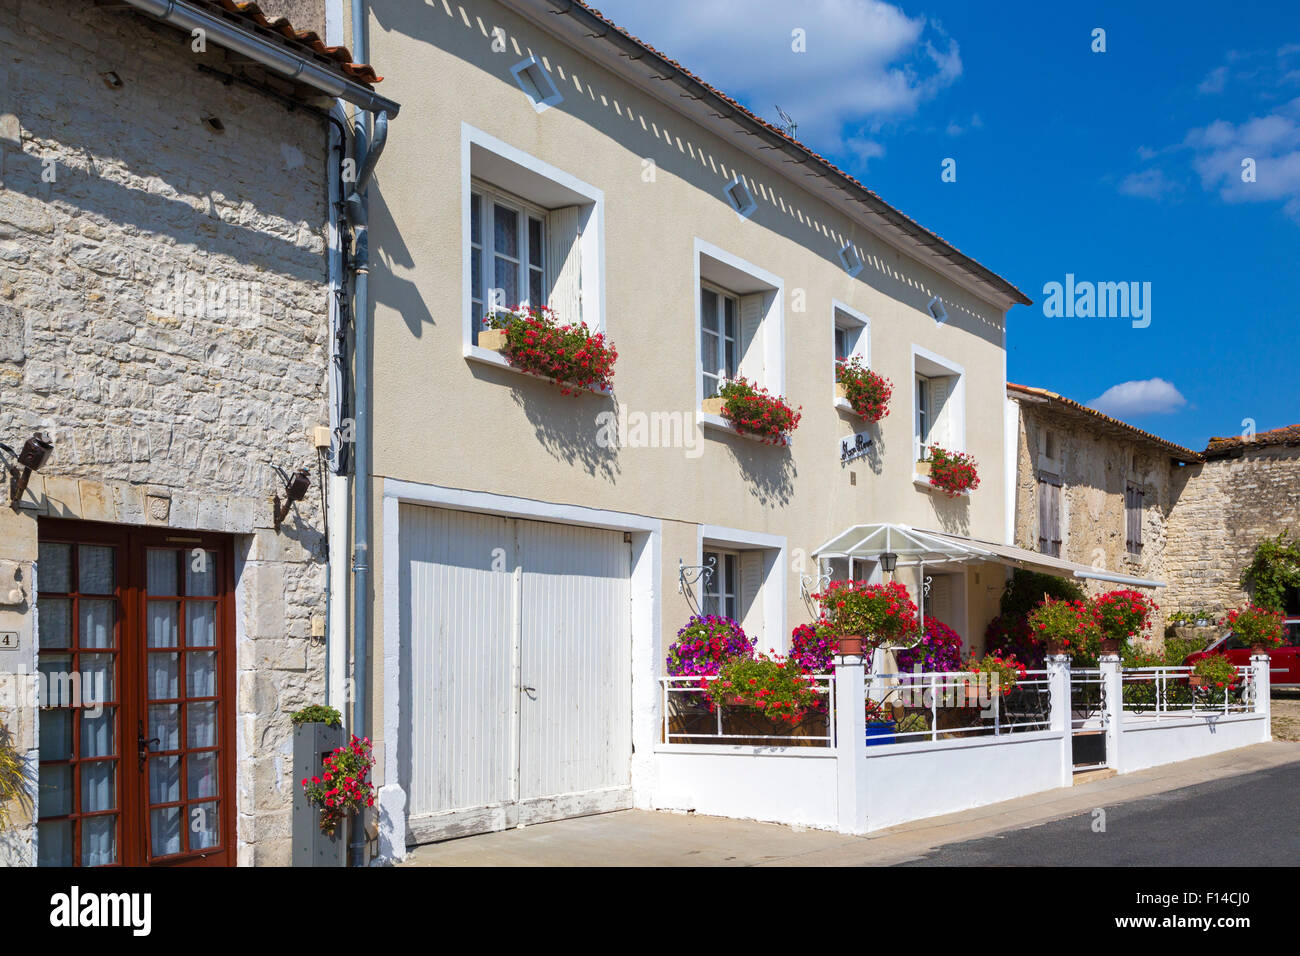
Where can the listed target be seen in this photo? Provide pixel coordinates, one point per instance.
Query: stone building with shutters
(165, 322)
(1092, 489)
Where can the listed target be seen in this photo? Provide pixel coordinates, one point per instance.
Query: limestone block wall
(163, 319)
(1225, 506)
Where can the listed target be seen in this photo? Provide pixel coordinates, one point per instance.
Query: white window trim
(718, 537)
(539, 77)
(773, 344)
(719, 580)
(743, 210)
(957, 411)
(592, 245)
(861, 348)
(722, 294)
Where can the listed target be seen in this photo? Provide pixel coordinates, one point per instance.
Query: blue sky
(1115, 166)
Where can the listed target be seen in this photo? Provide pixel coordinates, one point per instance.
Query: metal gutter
(271, 55)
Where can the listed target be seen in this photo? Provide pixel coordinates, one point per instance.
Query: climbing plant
(1273, 570)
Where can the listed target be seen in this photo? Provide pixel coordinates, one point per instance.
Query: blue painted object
(880, 733)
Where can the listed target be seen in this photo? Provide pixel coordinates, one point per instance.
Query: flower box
(494, 340)
(923, 468)
(534, 341)
(713, 406)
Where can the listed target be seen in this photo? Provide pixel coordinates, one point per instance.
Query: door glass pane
(55, 790)
(97, 618)
(54, 572)
(161, 571)
(95, 569)
(506, 230)
(163, 621)
(201, 620)
(165, 830)
(54, 619)
(201, 674)
(201, 573)
(98, 785)
(55, 687)
(164, 779)
(54, 842)
(201, 726)
(98, 734)
(99, 841)
(97, 679)
(56, 734)
(164, 676)
(203, 826)
(165, 724)
(202, 774)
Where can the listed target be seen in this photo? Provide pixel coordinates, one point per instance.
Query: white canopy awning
(916, 546)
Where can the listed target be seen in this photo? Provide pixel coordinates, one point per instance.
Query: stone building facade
(163, 310)
(1200, 514)
(1244, 490)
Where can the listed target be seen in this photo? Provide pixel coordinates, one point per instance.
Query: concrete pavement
(648, 838)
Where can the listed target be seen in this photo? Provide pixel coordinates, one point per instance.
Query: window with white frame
(720, 588)
(850, 331)
(740, 323)
(719, 313)
(533, 237)
(507, 252)
(938, 397)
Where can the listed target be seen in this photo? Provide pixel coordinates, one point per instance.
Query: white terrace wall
(162, 316)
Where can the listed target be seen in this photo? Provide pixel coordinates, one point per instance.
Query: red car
(1284, 660)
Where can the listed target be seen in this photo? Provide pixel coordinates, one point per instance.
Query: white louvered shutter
(752, 310)
(750, 603)
(941, 432)
(564, 262)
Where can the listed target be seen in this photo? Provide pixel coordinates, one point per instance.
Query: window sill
(923, 482)
(476, 353)
(843, 405)
(718, 423)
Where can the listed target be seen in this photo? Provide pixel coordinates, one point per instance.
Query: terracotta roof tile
(1286, 435)
(337, 58)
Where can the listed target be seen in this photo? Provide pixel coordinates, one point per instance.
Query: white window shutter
(752, 310)
(939, 606)
(564, 262)
(941, 432)
(749, 603)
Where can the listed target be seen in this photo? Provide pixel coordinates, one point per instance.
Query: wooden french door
(137, 688)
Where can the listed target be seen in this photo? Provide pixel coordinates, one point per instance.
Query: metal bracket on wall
(702, 572)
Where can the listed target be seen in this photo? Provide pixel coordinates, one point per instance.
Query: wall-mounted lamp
(35, 453)
(296, 487)
(888, 561)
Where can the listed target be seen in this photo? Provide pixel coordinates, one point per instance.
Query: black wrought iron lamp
(296, 487)
(36, 452)
(888, 561)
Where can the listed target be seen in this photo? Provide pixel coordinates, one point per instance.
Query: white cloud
(1148, 184)
(1214, 81)
(1153, 396)
(866, 61)
(1272, 141)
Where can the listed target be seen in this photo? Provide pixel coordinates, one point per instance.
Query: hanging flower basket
(754, 411)
(866, 391)
(533, 340)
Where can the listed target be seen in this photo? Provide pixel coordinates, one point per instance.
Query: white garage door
(516, 686)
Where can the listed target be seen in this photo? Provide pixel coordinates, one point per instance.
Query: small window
(939, 404)
(537, 84)
(720, 588)
(937, 310)
(1049, 514)
(1049, 445)
(507, 252)
(719, 315)
(924, 420)
(850, 259)
(1133, 501)
(844, 339)
(740, 198)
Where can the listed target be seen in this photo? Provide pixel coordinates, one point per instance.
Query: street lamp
(888, 561)
(35, 453)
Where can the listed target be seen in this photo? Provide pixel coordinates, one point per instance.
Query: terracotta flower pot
(1109, 646)
(851, 645)
(1196, 680)
(1259, 649)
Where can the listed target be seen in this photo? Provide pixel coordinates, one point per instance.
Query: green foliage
(1274, 568)
(15, 785)
(1216, 669)
(1026, 589)
(343, 786)
(317, 714)
(777, 689)
(877, 613)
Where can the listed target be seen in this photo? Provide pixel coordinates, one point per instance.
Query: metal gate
(516, 664)
(1088, 718)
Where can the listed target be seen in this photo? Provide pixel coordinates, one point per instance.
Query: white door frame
(646, 624)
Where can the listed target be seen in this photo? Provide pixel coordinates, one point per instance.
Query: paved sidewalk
(649, 838)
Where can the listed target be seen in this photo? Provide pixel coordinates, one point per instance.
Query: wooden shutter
(564, 262)
(750, 346)
(1049, 514)
(1133, 505)
(748, 592)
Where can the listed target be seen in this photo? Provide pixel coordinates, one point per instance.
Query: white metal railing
(691, 717)
(964, 701)
(1158, 692)
(1087, 699)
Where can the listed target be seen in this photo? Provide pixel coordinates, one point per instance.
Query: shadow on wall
(953, 514)
(658, 135)
(768, 470)
(388, 253)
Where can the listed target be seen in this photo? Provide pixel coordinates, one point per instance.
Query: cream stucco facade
(450, 419)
